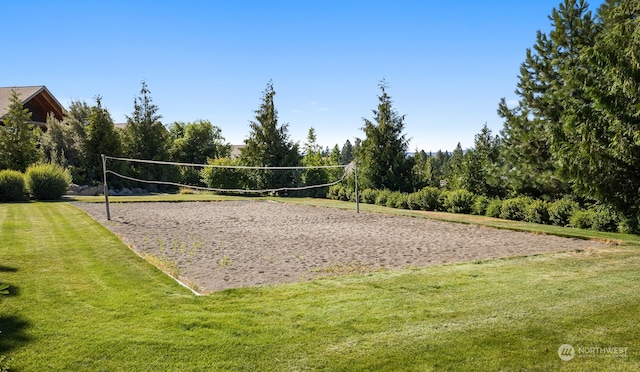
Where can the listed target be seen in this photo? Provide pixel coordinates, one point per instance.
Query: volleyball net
(225, 176)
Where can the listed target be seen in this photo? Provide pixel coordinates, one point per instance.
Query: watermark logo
(566, 352)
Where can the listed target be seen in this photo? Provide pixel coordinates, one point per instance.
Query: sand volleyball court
(232, 244)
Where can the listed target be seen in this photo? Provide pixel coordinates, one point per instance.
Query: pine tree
(63, 142)
(268, 145)
(145, 137)
(101, 138)
(481, 169)
(454, 171)
(437, 168)
(420, 170)
(18, 138)
(598, 146)
(530, 127)
(346, 154)
(383, 153)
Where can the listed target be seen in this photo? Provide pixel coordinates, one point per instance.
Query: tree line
(574, 132)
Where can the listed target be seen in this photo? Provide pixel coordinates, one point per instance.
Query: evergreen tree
(311, 146)
(101, 138)
(18, 138)
(346, 155)
(63, 142)
(437, 168)
(528, 127)
(481, 170)
(313, 157)
(420, 170)
(145, 137)
(268, 145)
(454, 171)
(598, 146)
(383, 155)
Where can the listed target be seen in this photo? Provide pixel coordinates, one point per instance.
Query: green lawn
(82, 300)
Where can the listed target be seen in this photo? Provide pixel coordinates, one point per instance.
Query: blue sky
(446, 63)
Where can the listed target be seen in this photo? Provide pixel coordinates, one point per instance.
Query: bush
(599, 218)
(398, 200)
(494, 208)
(560, 211)
(47, 181)
(12, 186)
(515, 208)
(458, 201)
(383, 195)
(605, 219)
(340, 192)
(427, 198)
(480, 205)
(628, 225)
(537, 212)
(582, 219)
(368, 196)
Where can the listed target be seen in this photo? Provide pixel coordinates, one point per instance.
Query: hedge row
(562, 212)
(40, 181)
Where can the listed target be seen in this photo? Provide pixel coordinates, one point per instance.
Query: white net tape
(348, 168)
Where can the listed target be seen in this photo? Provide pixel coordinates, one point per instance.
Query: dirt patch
(220, 245)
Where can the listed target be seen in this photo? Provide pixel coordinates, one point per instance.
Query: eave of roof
(26, 94)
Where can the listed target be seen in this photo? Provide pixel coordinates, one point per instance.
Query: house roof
(37, 99)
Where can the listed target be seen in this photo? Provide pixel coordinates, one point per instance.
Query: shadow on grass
(7, 269)
(12, 332)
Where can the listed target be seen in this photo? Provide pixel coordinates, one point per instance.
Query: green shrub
(413, 201)
(47, 181)
(350, 194)
(340, 192)
(459, 201)
(599, 218)
(515, 208)
(560, 211)
(480, 205)
(494, 208)
(537, 212)
(333, 192)
(629, 225)
(12, 186)
(582, 219)
(605, 219)
(368, 196)
(427, 198)
(383, 195)
(398, 200)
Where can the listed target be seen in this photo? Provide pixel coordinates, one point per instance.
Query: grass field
(81, 300)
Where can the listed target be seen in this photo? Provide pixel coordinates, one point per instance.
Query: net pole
(355, 172)
(106, 188)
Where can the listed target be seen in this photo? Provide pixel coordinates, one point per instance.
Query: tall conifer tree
(383, 153)
(268, 144)
(18, 138)
(530, 126)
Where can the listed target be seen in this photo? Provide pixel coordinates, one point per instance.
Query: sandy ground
(220, 245)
